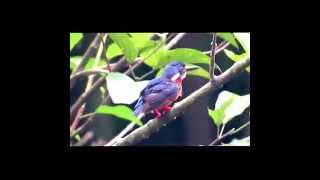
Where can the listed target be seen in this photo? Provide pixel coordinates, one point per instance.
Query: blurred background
(194, 127)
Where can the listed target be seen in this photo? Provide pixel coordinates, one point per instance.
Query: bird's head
(175, 71)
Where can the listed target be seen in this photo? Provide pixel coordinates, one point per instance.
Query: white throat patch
(184, 75)
(175, 77)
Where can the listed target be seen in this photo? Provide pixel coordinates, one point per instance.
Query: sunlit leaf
(239, 104)
(74, 39)
(141, 41)
(120, 111)
(125, 44)
(160, 72)
(229, 105)
(244, 40)
(77, 137)
(229, 37)
(154, 56)
(123, 89)
(113, 51)
(218, 114)
(199, 71)
(186, 55)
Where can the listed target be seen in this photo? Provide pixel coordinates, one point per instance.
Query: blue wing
(147, 90)
(157, 93)
(160, 95)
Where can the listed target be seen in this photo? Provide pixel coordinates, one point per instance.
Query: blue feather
(138, 107)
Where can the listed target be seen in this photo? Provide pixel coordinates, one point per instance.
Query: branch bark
(154, 125)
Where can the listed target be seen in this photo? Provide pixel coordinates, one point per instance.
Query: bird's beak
(191, 68)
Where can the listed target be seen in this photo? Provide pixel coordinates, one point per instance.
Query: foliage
(120, 111)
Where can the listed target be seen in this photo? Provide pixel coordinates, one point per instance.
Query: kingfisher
(162, 92)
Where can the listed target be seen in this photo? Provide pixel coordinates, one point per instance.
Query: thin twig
(219, 48)
(213, 55)
(89, 86)
(154, 125)
(87, 115)
(145, 75)
(229, 133)
(170, 36)
(90, 51)
(76, 119)
(105, 51)
(175, 40)
(222, 129)
(87, 73)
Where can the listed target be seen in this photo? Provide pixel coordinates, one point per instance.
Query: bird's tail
(138, 109)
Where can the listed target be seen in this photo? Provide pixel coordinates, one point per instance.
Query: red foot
(166, 108)
(158, 114)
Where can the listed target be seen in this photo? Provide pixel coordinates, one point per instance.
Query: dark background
(194, 126)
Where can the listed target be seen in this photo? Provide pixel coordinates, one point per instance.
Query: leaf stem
(213, 54)
(229, 133)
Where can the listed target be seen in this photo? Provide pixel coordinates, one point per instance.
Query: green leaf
(75, 60)
(123, 89)
(186, 55)
(125, 44)
(230, 37)
(235, 57)
(119, 111)
(154, 54)
(230, 110)
(113, 51)
(228, 106)
(200, 72)
(74, 39)
(244, 40)
(239, 104)
(218, 114)
(239, 142)
(141, 41)
(77, 137)
(159, 73)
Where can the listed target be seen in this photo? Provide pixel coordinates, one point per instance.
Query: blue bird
(161, 92)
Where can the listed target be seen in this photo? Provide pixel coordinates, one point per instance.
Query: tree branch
(154, 125)
(175, 40)
(229, 133)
